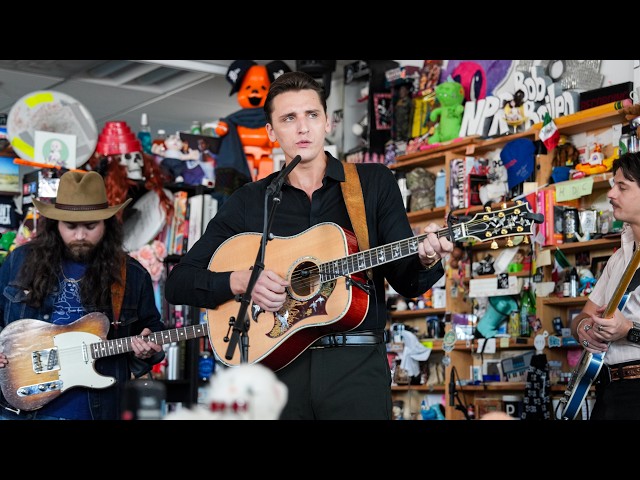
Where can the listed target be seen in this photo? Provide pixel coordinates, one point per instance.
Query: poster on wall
(57, 149)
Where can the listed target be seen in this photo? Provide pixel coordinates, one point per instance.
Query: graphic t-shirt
(73, 403)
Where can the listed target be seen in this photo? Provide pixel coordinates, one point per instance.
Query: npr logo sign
(541, 95)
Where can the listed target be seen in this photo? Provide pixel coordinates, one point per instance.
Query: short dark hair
(292, 81)
(630, 165)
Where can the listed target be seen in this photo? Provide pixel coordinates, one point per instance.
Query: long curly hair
(43, 264)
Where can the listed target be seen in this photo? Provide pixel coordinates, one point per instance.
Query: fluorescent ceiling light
(192, 65)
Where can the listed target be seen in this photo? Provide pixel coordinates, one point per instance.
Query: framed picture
(383, 111)
(597, 266)
(9, 176)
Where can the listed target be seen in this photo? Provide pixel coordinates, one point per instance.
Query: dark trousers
(617, 400)
(338, 383)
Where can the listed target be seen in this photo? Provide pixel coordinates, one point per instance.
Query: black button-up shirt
(192, 283)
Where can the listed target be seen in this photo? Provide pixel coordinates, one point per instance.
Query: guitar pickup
(48, 357)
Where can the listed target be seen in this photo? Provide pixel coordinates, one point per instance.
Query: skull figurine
(134, 163)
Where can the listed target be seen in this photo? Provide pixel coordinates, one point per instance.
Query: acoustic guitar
(322, 264)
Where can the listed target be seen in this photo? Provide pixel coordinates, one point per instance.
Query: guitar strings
(304, 278)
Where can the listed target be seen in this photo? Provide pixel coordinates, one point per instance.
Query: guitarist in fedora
(341, 375)
(74, 266)
(618, 338)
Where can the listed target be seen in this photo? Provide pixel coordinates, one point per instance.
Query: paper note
(574, 189)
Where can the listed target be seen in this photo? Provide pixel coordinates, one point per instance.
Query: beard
(81, 251)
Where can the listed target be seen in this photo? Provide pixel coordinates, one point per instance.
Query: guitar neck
(123, 345)
(373, 257)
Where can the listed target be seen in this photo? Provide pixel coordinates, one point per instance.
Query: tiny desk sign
(574, 189)
(56, 149)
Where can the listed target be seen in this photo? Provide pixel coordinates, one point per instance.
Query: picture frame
(9, 176)
(383, 110)
(597, 266)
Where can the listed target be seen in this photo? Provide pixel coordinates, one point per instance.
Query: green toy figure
(450, 96)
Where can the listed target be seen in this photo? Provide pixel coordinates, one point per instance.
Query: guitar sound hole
(305, 280)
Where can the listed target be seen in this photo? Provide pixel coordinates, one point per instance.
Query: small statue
(450, 96)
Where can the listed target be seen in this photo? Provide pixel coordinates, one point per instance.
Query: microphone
(452, 388)
(276, 184)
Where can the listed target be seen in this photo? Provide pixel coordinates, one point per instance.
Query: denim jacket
(138, 311)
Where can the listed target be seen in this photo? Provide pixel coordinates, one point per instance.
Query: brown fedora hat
(82, 197)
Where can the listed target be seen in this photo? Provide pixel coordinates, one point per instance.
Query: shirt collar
(335, 169)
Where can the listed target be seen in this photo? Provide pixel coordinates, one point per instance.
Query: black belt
(346, 339)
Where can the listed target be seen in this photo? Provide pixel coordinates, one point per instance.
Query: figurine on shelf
(182, 166)
(245, 146)
(450, 96)
(514, 111)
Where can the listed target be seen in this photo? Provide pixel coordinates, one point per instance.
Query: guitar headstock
(493, 224)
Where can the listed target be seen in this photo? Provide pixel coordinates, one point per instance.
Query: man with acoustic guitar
(317, 319)
(609, 325)
(70, 287)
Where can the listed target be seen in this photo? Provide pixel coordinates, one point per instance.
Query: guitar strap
(117, 292)
(353, 198)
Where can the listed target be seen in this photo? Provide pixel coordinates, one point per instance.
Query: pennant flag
(549, 133)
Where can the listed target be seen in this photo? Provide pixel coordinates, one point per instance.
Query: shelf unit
(440, 157)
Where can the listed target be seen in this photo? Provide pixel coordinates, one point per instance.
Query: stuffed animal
(245, 392)
(182, 166)
(245, 146)
(450, 96)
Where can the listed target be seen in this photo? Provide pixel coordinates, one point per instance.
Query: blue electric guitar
(590, 364)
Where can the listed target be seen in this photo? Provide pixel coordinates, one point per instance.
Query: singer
(345, 374)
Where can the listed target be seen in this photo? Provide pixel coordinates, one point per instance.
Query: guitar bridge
(39, 388)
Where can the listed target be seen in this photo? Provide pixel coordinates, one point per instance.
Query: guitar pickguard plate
(295, 310)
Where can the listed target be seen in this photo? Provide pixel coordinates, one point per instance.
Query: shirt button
(46, 317)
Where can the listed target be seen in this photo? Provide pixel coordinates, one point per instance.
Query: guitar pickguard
(295, 310)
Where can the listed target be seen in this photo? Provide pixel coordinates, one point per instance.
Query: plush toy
(182, 166)
(450, 96)
(245, 147)
(245, 392)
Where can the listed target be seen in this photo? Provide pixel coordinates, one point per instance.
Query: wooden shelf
(489, 144)
(584, 121)
(433, 155)
(417, 388)
(564, 301)
(404, 314)
(599, 244)
(427, 214)
(506, 386)
(524, 273)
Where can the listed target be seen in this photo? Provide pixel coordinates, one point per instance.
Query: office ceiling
(173, 93)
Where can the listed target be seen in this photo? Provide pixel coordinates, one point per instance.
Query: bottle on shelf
(144, 135)
(527, 309)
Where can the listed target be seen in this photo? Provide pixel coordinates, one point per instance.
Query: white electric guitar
(46, 360)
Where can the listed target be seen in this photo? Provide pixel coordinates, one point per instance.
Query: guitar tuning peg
(510, 243)
(487, 209)
(504, 206)
(525, 239)
(519, 202)
(494, 245)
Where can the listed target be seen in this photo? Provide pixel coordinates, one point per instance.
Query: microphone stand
(242, 322)
(454, 395)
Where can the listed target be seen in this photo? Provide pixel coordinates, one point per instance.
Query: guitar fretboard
(123, 345)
